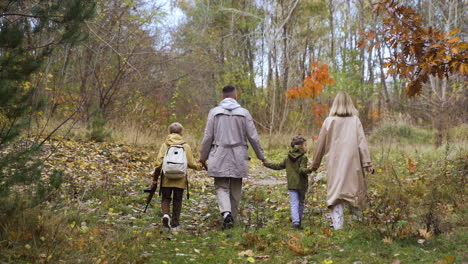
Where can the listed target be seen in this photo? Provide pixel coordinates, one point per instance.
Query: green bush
(98, 131)
(419, 191)
(403, 133)
(24, 184)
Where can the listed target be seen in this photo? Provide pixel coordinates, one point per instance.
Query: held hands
(203, 165)
(264, 162)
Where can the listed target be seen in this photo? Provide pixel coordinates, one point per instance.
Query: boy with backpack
(173, 159)
(296, 171)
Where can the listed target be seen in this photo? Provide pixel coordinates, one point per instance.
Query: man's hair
(228, 90)
(175, 128)
(297, 140)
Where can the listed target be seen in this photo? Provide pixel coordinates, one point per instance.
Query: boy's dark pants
(177, 194)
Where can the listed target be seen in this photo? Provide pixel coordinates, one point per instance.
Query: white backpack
(175, 162)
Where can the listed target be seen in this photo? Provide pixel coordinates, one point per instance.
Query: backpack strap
(186, 176)
(188, 190)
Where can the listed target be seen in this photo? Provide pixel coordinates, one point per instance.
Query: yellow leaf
(251, 259)
(424, 234)
(73, 224)
(454, 39)
(27, 246)
(26, 86)
(14, 235)
(446, 260)
(387, 240)
(246, 253)
(455, 31)
(50, 75)
(462, 45)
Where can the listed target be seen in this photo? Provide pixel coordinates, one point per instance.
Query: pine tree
(29, 31)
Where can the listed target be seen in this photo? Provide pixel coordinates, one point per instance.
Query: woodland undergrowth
(417, 200)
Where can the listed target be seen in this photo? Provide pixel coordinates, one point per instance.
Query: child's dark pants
(176, 194)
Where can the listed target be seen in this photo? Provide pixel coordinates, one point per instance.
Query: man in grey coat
(228, 128)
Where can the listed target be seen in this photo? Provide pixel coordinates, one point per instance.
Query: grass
(403, 133)
(346, 246)
(110, 229)
(96, 216)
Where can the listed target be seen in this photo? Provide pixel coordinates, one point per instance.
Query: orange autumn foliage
(313, 83)
(319, 112)
(417, 51)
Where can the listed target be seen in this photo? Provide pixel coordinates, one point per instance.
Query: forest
(88, 89)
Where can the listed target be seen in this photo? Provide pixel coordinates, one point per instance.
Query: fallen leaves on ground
(387, 240)
(425, 234)
(446, 260)
(246, 253)
(294, 244)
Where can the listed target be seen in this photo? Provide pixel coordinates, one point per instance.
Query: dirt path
(260, 176)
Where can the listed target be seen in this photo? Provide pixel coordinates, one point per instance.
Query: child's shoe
(166, 221)
(228, 221)
(297, 226)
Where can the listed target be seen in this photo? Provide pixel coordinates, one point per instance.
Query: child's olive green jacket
(296, 168)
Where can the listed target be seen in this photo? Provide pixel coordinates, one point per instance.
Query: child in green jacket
(296, 171)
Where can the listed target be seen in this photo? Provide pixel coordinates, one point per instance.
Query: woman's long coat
(343, 142)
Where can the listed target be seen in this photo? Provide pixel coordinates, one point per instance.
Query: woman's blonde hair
(343, 106)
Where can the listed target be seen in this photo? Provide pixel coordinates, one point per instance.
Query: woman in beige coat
(343, 142)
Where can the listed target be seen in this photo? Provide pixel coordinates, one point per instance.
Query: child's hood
(174, 139)
(296, 153)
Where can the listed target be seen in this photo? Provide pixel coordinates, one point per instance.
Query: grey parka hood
(229, 104)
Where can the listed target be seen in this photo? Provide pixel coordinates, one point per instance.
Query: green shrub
(403, 133)
(24, 184)
(459, 133)
(98, 131)
(421, 192)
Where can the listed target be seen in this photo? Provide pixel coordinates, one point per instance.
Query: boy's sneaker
(297, 226)
(166, 221)
(228, 222)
